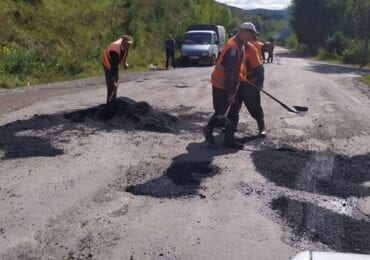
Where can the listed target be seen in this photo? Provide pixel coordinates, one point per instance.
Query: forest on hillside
(52, 40)
(332, 29)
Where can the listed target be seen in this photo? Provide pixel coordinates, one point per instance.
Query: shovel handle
(281, 103)
(115, 87)
(234, 94)
(290, 109)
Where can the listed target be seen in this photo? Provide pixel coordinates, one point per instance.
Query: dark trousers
(111, 89)
(220, 106)
(170, 54)
(251, 98)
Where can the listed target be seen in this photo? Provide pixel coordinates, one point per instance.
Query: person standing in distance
(170, 46)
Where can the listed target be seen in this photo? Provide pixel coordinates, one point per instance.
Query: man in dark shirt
(170, 45)
(113, 55)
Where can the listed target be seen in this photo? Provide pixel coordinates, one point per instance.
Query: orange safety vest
(116, 47)
(258, 46)
(218, 76)
(252, 60)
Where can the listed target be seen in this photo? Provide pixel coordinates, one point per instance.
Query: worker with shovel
(249, 92)
(226, 77)
(113, 55)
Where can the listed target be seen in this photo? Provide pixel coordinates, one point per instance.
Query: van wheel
(213, 60)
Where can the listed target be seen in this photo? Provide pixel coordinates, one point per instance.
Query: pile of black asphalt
(125, 112)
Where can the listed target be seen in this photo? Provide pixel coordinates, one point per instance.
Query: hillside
(271, 24)
(51, 40)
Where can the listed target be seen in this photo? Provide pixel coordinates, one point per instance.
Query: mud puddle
(340, 232)
(124, 112)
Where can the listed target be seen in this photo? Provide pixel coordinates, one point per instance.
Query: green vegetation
(271, 24)
(332, 29)
(366, 79)
(52, 40)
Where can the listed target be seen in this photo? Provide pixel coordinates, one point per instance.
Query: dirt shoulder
(15, 99)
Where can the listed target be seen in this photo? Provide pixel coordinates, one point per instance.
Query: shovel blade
(299, 110)
(221, 121)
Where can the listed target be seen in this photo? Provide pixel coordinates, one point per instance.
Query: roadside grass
(366, 79)
(48, 41)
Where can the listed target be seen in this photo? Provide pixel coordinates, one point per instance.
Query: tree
(311, 21)
(358, 24)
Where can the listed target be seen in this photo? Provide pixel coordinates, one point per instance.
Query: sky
(253, 4)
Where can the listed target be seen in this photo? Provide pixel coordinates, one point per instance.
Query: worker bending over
(113, 55)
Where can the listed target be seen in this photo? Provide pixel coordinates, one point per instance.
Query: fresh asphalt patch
(340, 232)
(31, 137)
(319, 172)
(126, 112)
(315, 194)
(43, 135)
(181, 178)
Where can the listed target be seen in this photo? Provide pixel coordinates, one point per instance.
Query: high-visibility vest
(218, 76)
(116, 47)
(258, 46)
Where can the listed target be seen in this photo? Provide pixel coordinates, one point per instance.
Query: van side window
(215, 39)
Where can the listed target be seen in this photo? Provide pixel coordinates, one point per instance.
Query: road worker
(249, 91)
(258, 45)
(113, 55)
(228, 72)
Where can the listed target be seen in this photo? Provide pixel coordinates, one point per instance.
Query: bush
(336, 43)
(292, 41)
(71, 64)
(302, 48)
(17, 59)
(324, 54)
(353, 53)
(7, 81)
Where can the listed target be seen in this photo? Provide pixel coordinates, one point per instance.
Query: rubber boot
(208, 134)
(229, 140)
(261, 128)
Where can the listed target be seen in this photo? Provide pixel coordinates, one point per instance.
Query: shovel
(291, 109)
(115, 87)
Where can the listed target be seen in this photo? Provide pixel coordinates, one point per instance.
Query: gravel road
(143, 184)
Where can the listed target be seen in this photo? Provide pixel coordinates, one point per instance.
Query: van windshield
(198, 38)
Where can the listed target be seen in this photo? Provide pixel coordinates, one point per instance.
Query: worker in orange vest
(228, 72)
(113, 55)
(258, 45)
(249, 91)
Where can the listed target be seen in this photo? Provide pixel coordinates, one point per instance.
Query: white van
(203, 44)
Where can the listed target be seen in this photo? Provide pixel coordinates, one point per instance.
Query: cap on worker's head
(248, 26)
(128, 39)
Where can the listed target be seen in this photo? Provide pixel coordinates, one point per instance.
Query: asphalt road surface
(145, 185)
